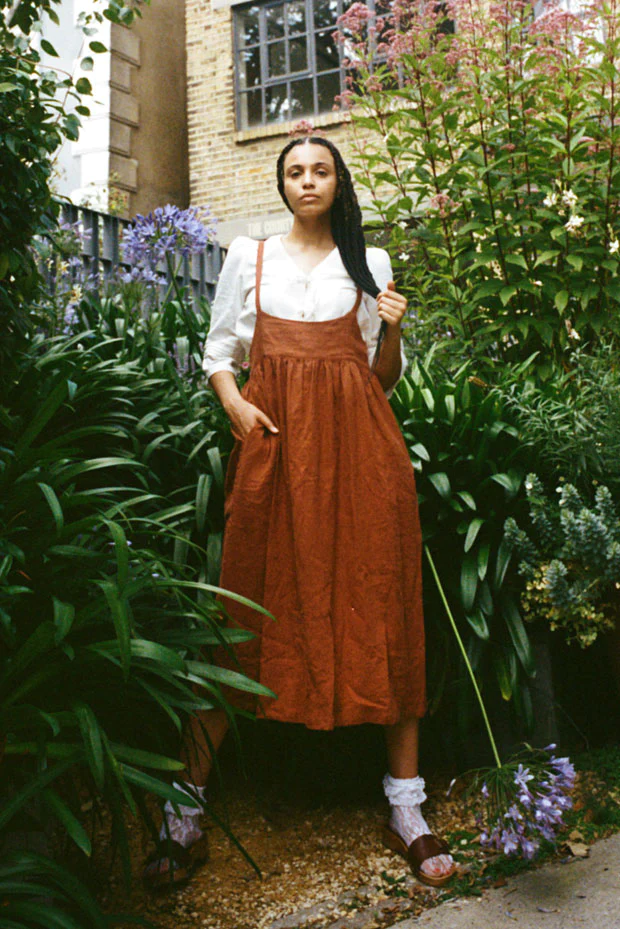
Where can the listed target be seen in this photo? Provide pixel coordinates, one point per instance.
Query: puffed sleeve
(381, 269)
(223, 348)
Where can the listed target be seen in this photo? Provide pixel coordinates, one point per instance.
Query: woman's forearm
(389, 363)
(225, 386)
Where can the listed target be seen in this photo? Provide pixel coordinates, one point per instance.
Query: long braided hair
(346, 221)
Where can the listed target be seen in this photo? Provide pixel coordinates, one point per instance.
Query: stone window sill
(275, 129)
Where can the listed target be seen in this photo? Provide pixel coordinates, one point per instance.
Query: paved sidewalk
(583, 892)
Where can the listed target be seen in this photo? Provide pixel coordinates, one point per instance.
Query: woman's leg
(405, 790)
(195, 753)
(196, 756)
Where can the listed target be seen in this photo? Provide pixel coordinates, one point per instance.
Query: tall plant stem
(465, 658)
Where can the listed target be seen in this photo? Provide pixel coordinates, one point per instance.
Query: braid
(346, 222)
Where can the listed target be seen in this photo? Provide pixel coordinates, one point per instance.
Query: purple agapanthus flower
(167, 229)
(538, 797)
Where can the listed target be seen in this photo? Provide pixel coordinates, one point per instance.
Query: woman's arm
(242, 414)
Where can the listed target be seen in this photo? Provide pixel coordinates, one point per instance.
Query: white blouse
(327, 292)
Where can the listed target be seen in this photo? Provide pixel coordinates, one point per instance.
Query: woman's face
(310, 180)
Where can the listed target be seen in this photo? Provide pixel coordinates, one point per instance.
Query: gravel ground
(323, 867)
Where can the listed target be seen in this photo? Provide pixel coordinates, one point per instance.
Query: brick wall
(234, 171)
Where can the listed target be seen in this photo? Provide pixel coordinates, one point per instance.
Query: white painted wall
(83, 167)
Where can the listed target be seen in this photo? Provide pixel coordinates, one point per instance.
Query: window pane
(277, 59)
(250, 109)
(247, 25)
(299, 54)
(326, 52)
(296, 13)
(249, 67)
(275, 21)
(328, 86)
(302, 98)
(277, 103)
(325, 13)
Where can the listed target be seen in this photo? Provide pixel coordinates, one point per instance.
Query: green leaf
(519, 636)
(441, 483)
(97, 47)
(121, 550)
(203, 490)
(504, 554)
(87, 64)
(483, 559)
(92, 738)
(547, 256)
(120, 618)
(5, 87)
(576, 261)
(62, 812)
(64, 614)
(54, 504)
(472, 532)
(83, 86)
(469, 581)
(477, 621)
(561, 299)
(420, 450)
(467, 499)
(502, 674)
(48, 48)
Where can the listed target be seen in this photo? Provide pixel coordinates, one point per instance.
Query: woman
(322, 524)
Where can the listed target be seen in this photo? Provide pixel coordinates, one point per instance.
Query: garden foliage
(491, 156)
(469, 470)
(39, 109)
(111, 500)
(570, 560)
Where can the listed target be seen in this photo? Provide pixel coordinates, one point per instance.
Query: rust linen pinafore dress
(322, 529)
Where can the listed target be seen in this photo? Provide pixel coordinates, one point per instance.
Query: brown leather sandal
(180, 863)
(424, 847)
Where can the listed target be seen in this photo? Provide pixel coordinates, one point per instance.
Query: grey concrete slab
(583, 892)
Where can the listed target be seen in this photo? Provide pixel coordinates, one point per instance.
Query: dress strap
(259, 273)
(356, 305)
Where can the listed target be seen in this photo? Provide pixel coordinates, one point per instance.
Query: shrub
(469, 470)
(571, 570)
(490, 155)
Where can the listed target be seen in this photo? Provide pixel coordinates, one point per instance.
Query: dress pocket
(255, 473)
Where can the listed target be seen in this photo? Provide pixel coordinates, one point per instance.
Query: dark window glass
(328, 86)
(249, 67)
(298, 52)
(325, 13)
(326, 51)
(296, 15)
(276, 56)
(275, 21)
(302, 98)
(250, 108)
(248, 26)
(277, 103)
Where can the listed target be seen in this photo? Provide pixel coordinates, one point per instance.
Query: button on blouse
(326, 292)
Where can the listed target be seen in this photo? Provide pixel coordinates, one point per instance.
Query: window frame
(287, 77)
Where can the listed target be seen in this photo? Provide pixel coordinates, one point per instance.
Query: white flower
(479, 247)
(569, 198)
(403, 256)
(551, 199)
(614, 247)
(496, 269)
(574, 223)
(402, 224)
(537, 283)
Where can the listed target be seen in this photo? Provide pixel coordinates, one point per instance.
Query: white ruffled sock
(405, 794)
(184, 829)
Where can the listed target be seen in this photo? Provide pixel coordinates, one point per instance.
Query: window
(287, 64)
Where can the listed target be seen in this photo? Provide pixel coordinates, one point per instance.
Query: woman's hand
(391, 306)
(244, 416)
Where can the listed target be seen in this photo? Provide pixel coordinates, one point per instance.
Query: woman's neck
(315, 233)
